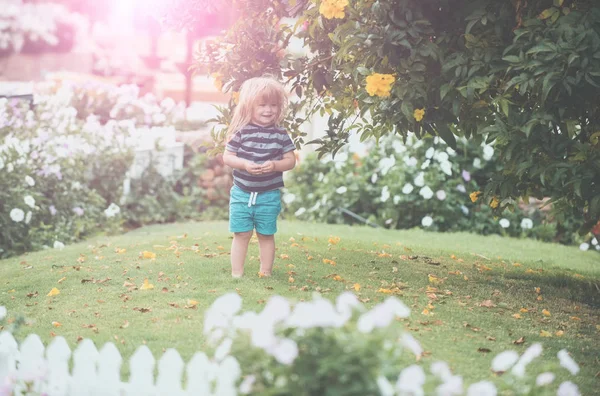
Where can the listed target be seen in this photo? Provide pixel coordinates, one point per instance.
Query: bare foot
(237, 275)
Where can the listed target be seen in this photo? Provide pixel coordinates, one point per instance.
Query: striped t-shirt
(259, 144)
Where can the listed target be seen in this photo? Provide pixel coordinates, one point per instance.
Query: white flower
(531, 353)
(3, 312)
(464, 209)
(29, 201)
(411, 381)
(221, 312)
(426, 221)
(385, 387)
(594, 241)
(223, 349)
(442, 157)
(346, 302)
(450, 151)
(483, 388)
(385, 194)
(567, 361)
(584, 246)
(426, 192)
(58, 245)
(28, 217)
(544, 379)
(504, 360)
(429, 153)
(112, 210)
(29, 180)
(488, 152)
(374, 178)
(477, 163)
(300, 212)
(1, 163)
(386, 164)
(420, 180)
(461, 188)
(441, 370)
(288, 198)
(286, 351)
(446, 167)
(504, 223)
(426, 164)
(246, 385)
(526, 223)
(398, 146)
(410, 162)
(397, 199)
(408, 188)
(341, 190)
(17, 215)
(276, 310)
(452, 387)
(410, 343)
(568, 388)
(440, 194)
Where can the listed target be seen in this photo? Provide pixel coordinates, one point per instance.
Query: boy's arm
(288, 162)
(232, 160)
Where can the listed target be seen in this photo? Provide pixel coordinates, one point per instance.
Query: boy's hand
(268, 167)
(253, 169)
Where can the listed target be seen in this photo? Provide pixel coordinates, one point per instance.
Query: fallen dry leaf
(53, 292)
(56, 324)
(519, 341)
(434, 280)
(334, 240)
(142, 310)
(291, 280)
(523, 310)
(327, 261)
(124, 325)
(61, 280)
(544, 333)
(484, 350)
(546, 312)
(284, 256)
(147, 255)
(559, 333)
(147, 285)
(356, 287)
(516, 316)
(487, 304)
(394, 269)
(192, 302)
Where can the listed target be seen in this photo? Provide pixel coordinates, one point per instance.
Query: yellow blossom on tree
(333, 8)
(380, 84)
(475, 195)
(218, 80)
(494, 204)
(419, 114)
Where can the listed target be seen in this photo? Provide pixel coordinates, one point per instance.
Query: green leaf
(512, 59)
(363, 70)
(444, 89)
(558, 3)
(547, 85)
(547, 13)
(446, 135)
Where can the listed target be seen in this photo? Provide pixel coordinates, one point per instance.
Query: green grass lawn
(100, 296)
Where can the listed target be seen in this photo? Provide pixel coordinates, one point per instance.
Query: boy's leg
(239, 248)
(266, 246)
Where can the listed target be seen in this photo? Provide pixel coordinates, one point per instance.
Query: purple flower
(466, 175)
(52, 210)
(78, 211)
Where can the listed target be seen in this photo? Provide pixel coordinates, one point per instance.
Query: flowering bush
(318, 348)
(418, 184)
(65, 166)
(36, 27)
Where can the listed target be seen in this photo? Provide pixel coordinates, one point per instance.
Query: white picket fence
(98, 373)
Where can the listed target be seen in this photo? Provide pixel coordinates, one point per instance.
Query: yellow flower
(333, 8)
(419, 114)
(218, 80)
(380, 84)
(475, 196)
(494, 204)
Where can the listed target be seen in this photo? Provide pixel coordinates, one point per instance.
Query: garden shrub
(423, 183)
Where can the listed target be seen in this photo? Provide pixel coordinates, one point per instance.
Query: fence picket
(31, 363)
(9, 352)
(141, 366)
(85, 376)
(109, 371)
(170, 370)
(58, 355)
(200, 373)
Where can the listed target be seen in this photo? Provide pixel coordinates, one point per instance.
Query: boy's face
(265, 112)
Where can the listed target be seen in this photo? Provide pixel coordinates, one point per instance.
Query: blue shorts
(254, 210)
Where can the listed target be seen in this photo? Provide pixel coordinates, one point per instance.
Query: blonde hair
(252, 91)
